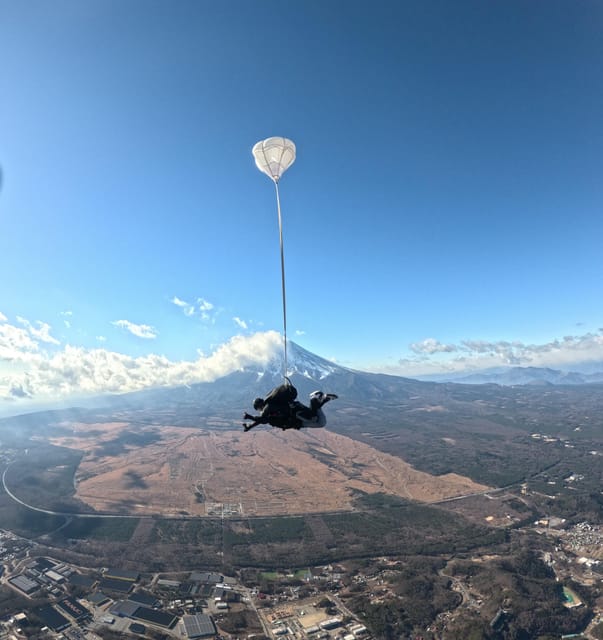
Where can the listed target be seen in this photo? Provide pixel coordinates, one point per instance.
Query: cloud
(138, 330)
(432, 356)
(188, 309)
(66, 314)
(240, 323)
(33, 368)
(299, 332)
(16, 343)
(3, 318)
(430, 346)
(202, 308)
(101, 338)
(40, 332)
(73, 371)
(204, 305)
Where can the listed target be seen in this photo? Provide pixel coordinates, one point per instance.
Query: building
(43, 564)
(206, 577)
(98, 599)
(55, 576)
(124, 608)
(331, 623)
(170, 584)
(116, 584)
(74, 609)
(133, 610)
(24, 584)
(199, 626)
(120, 574)
(53, 619)
(156, 617)
(81, 580)
(143, 598)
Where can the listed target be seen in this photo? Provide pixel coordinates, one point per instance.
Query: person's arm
(256, 419)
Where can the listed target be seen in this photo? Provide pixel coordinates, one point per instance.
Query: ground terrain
(178, 471)
(357, 492)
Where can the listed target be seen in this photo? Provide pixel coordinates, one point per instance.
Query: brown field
(263, 472)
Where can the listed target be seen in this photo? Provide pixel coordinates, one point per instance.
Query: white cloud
(34, 367)
(434, 357)
(74, 371)
(431, 346)
(240, 323)
(66, 314)
(202, 308)
(101, 338)
(188, 308)
(299, 332)
(138, 330)
(3, 318)
(40, 332)
(204, 305)
(16, 344)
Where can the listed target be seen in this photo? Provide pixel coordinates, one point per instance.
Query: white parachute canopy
(274, 156)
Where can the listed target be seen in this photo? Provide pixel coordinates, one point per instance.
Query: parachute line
(280, 232)
(273, 157)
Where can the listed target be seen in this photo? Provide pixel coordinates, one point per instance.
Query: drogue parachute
(274, 156)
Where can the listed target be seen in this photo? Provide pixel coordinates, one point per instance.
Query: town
(57, 599)
(84, 604)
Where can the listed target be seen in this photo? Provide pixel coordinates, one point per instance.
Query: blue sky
(443, 213)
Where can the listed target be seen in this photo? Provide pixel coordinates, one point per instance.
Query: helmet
(258, 404)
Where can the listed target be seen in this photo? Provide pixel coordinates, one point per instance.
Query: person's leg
(301, 411)
(319, 398)
(319, 420)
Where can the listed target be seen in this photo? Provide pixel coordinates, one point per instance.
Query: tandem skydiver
(281, 409)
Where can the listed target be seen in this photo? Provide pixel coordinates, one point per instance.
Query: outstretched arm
(255, 421)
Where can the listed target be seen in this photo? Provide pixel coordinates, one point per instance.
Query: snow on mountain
(308, 364)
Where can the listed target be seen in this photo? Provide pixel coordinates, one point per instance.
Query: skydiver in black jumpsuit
(281, 409)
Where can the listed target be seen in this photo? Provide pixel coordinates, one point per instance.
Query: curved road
(64, 514)
(72, 514)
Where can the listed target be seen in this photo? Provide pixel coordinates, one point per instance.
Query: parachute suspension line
(280, 232)
(273, 156)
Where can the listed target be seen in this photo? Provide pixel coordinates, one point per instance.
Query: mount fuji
(439, 427)
(233, 393)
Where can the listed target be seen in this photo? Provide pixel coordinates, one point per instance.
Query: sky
(443, 212)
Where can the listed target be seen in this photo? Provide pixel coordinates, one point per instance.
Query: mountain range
(510, 376)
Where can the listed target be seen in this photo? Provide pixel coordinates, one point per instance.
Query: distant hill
(510, 376)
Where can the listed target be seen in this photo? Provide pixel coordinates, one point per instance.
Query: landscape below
(451, 480)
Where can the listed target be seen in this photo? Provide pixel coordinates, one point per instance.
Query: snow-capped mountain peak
(300, 362)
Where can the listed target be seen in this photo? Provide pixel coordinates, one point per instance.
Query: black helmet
(258, 404)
